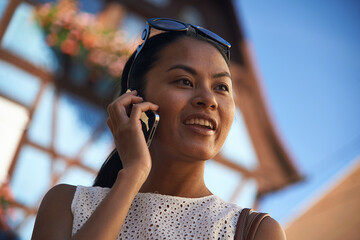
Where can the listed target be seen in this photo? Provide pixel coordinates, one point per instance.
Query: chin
(195, 150)
(200, 153)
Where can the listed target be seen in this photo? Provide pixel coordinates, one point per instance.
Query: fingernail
(129, 90)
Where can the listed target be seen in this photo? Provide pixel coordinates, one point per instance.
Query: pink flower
(88, 39)
(70, 47)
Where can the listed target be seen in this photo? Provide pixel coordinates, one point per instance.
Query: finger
(140, 108)
(120, 108)
(124, 96)
(126, 99)
(108, 121)
(115, 115)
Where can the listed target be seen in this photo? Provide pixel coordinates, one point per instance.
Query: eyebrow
(222, 74)
(183, 67)
(193, 71)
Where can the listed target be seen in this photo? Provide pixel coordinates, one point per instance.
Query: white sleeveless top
(156, 216)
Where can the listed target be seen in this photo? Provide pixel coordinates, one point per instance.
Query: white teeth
(200, 121)
(207, 123)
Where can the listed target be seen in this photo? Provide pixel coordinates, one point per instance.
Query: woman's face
(192, 85)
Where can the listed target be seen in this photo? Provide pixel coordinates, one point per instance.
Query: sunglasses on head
(167, 24)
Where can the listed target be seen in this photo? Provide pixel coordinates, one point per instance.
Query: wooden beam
(271, 132)
(26, 209)
(236, 167)
(54, 127)
(11, 58)
(7, 15)
(24, 134)
(69, 161)
(13, 101)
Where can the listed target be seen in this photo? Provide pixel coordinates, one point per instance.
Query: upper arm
(54, 218)
(270, 229)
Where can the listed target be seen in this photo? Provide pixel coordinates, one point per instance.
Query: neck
(177, 178)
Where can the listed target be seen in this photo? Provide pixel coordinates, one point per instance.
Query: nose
(204, 98)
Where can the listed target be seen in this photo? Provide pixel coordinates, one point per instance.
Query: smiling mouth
(201, 122)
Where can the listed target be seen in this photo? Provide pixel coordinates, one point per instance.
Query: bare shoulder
(54, 218)
(270, 229)
(63, 191)
(58, 197)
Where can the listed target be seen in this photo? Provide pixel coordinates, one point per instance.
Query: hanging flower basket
(84, 38)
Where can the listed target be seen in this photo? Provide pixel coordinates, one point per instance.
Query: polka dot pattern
(156, 216)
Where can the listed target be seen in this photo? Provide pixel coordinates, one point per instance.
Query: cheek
(170, 105)
(228, 113)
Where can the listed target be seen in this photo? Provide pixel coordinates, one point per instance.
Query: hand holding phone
(149, 122)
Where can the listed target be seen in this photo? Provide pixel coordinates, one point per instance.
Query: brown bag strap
(254, 225)
(248, 224)
(241, 224)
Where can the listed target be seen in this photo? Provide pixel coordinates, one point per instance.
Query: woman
(183, 74)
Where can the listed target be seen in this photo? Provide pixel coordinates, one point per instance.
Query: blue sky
(307, 53)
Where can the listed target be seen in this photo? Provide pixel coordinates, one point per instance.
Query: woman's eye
(185, 82)
(222, 87)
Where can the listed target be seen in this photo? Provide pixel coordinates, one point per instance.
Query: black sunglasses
(167, 24)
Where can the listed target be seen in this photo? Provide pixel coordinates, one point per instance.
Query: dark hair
(144, 62)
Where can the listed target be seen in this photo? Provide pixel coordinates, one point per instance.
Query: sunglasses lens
(214, 36)
(168, 24)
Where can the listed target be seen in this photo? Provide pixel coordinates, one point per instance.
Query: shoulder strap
(253, 226)
(241, 224)
(248, 224)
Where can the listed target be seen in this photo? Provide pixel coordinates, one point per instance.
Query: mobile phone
(149, 122)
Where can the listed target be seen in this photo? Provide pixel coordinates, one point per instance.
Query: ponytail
(109, 170)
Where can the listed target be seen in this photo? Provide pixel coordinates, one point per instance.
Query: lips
(201, 120)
